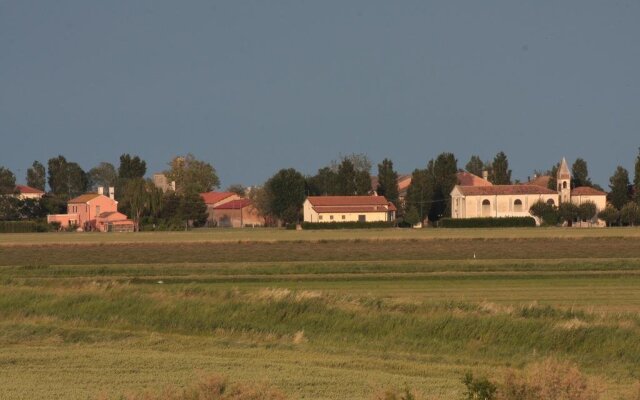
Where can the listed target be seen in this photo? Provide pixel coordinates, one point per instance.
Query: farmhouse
(215, 199)
(477, 199)
(236, 214)
(348, 209)
(24, 192)
(93, 212)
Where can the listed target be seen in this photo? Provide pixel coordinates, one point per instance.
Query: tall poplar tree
(500, 172)
(619, 184)
(475, 166)
(636, 180)
(387, 181)
(36, 176)
(580, 174)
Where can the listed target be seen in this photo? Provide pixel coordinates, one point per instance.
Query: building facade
(348, 209)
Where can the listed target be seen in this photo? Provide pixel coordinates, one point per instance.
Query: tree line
(280, 198)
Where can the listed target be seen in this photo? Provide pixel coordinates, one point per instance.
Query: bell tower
(564, 182)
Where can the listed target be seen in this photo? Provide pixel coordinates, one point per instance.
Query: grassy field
(322, 315)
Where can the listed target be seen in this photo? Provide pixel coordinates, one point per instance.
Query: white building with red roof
(27, 192)
(476, 199)
(348, 209)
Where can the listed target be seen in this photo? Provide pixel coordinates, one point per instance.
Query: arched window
(486, 208)
(551, 202)
(564, 184)
(517, 205)
(559, 187)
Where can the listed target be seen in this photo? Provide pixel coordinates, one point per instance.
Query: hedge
(22, 227)
(347, 225)
(506, 222)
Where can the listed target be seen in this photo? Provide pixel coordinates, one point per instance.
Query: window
(551, 202)
(559, 187)
(564, 184)
(344, 217)
(319, 217)
(362, 218)
(517, 205)
(97, 210)
(331, 217)
(486, 208)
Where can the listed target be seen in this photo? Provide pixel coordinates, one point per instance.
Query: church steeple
(564, 181)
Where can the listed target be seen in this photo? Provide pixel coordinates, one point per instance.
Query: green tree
(237, 189)
(7, 181)
(131, 167)
(261, 200)
(324, 183)
(58, 176)
(580, 174)
(346, 181)
(587, 211)
(619, 184)
(478, 388)
(388, 181)
(66, 179)
(134, 199)
(442, 174)
(36, 176)
(553, 177)
(412, 216)
(500, 172)
(630, 214)
(193, 210)
(103, 175)
(78, 181)
(547, 213)
(568, 213)
(286, 195)
(419, 194)
(636, 180)
(192, 175)
(610, 215)
(475, 166)
(9, 208)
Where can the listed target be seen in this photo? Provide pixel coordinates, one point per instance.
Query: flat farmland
(321, 315)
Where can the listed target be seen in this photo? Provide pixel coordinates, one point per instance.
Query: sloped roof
(24, 189)
(403, 182)
(468, 179)
(85, 198)
(234, 204)
(215, 197)
(586, 191)
(112, 215)
(563, 171)
(542, 180)
(336, 204)
(503, 190)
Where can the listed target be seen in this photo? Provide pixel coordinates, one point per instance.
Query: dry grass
(550, 379)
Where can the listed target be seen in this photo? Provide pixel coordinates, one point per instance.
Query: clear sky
(255, 86)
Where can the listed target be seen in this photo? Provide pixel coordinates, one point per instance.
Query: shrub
(548, 380)
(347, 225)
(478, 388)
(630, 214)
(506, 222)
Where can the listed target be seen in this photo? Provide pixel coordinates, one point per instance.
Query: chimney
(100, 190)
(485, 175)
(112, 193)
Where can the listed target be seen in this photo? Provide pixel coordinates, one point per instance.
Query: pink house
(93, 212)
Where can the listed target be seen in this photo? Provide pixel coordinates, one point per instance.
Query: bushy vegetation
(347, 225)
(506, 222)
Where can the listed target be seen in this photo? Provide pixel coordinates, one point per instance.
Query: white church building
(476, 201)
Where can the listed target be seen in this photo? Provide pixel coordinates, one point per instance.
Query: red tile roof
(503, 189)
(234, 204)
(542, 180)
(468, 179)
(323, 204)
(85, 198)
(23, 189)
(215, 197)
(586, 191)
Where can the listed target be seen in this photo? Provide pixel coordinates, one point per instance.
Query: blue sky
(255, 86)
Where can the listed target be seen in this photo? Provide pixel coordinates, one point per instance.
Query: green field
(321, 314)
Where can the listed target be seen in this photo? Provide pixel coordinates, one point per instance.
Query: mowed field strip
(322, 315)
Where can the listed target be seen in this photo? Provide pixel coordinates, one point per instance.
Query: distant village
(122, 199)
